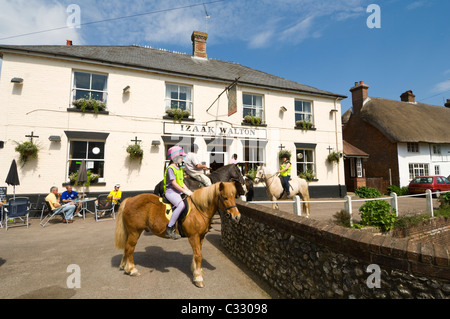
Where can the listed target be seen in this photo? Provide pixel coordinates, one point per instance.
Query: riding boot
(171, 233)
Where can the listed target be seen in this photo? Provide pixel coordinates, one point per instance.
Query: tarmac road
(34, 264)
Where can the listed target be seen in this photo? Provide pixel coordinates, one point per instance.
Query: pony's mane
(203, 197)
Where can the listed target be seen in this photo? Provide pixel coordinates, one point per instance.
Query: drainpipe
(337, 144)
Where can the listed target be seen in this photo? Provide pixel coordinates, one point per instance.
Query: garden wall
(305, 258)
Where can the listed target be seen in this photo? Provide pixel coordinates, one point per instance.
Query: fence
(297, 203)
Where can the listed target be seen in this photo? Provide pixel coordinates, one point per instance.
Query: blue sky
(324, 44)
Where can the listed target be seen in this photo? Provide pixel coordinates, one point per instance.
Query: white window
(253, 105)
(418, 170)
(305, 161)
(359, 169)
(254, 154)
(93, 152)
(437, 170)
(179, 97)
(89, 86)
(436, 149)
(303, 111)
(413, 147)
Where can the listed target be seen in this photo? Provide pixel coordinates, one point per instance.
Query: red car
(421, 183)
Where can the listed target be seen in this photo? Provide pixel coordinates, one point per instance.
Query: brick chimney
(359, 94)
(408, 96)
(447, 104)
(199, 44)
(68, 42)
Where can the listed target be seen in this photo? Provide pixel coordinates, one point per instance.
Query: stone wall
(305, 258)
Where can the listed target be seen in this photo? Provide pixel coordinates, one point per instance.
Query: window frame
(412, 147)
(168, 99)
(299, 162)
(311, 114)
(90, 90)
(415, 167)
(254, 107)
(87, 159)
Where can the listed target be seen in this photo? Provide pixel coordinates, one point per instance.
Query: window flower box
(177, 114)
(89, 104)
(304, 125)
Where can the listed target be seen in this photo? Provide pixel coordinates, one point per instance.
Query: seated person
(194, 168)
(69, 196)
(116, 195)
(53, 200)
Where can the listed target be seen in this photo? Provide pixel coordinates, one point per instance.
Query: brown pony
(146, 212)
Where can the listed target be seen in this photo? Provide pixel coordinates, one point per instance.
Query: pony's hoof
(199, 284)
(134, 273)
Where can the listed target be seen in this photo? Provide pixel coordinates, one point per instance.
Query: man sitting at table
(70, 196)
(53, 200)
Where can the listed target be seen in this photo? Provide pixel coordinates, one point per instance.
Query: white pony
(274, 188)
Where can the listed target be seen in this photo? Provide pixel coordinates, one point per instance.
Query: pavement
(50, 262)
(45, 262)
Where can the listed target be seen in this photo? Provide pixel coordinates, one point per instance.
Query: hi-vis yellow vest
(286, 172)
(178, 172)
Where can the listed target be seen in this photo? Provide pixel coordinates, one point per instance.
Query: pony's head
(237, 175)
(260, 174)
(227, 199)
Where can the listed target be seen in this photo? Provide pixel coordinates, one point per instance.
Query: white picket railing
(297, 203)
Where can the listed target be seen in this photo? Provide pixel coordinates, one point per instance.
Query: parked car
(421, 183)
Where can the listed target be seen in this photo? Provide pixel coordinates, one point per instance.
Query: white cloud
(19, 17)
(442, 87)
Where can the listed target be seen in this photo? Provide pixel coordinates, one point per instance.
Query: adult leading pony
(274, 188)
(146, 212)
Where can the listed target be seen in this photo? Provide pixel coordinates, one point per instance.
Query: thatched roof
(408, 122)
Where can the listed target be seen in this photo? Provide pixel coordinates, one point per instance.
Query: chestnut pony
(146, 212)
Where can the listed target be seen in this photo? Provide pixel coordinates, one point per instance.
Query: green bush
(367, 192)
(378, 213)
(399, 191)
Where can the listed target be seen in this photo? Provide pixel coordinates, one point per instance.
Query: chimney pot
(408, 96)
(448, 103)
(68, 42)
(199, 44)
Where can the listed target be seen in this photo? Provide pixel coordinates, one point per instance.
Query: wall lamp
(126, 89)
(283, 109)
(17, 80)
(156, 143)
(54, 138)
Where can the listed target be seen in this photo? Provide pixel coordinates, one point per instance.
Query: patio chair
(18, 208)
(49, 213)
(104, 208)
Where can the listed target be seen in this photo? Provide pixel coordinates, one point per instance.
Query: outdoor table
(84, 202)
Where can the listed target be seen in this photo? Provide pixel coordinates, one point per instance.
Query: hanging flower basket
(284, 153)
(334, 157)
(135, 151)
(26, 150)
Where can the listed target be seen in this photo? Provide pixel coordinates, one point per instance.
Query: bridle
(222, 200)
(264, 178)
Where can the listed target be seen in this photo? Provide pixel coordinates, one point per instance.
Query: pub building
(82, 102)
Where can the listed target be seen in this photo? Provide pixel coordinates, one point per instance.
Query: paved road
(34, 262)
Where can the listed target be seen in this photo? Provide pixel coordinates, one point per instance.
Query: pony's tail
(121, 234)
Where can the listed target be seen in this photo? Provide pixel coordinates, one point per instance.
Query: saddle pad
(169, 210)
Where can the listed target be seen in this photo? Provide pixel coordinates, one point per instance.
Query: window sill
(75, 110)
(305, 129)
(250, 124)
(92, 184)
(189, 119)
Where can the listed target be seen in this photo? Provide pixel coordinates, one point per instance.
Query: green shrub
(367, 192)
(397, 190)
(378, 213)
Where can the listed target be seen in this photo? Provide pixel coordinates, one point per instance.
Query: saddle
(169, 212)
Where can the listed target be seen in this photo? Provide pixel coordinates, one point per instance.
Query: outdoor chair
(104, 208)
(49, 213)
(18, 208)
